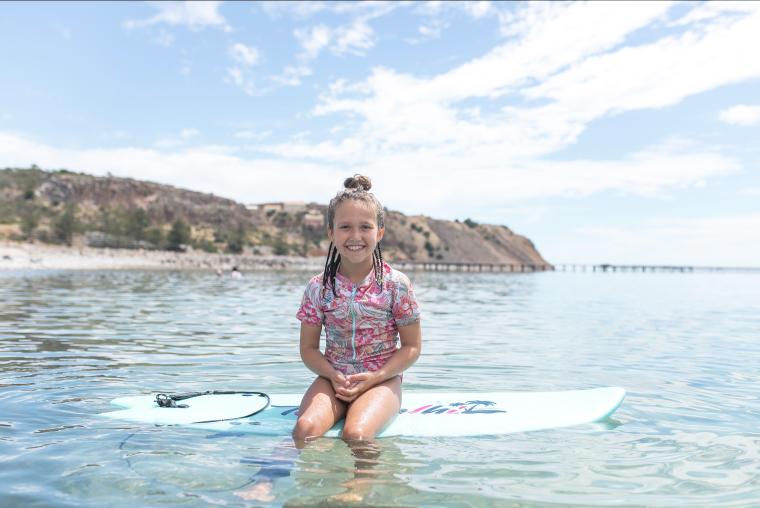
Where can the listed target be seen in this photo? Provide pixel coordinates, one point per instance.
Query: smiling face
(355, 233)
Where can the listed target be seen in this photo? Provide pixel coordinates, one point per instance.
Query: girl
(367, 308)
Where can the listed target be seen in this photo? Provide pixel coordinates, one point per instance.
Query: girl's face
(355, 232)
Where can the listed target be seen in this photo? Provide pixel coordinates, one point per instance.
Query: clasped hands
(349, 386)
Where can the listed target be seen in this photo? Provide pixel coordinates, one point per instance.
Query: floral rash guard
(361, 324)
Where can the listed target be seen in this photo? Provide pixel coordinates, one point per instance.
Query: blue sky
(604, 132)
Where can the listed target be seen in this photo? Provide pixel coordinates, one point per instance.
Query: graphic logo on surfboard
(467, 408)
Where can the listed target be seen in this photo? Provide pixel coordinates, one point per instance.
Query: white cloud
(477, 9)
(706, 11)
(252, 135)
(355, 37)
(246, 56)
(118, 135)
(233, 177)
(575, 76)
(652, 172)
(240, 74)
(177, 141)
(742, 114)
(431, 29)
(165, 38)
(631, 78)
(240, 78)
(297, 9)
(306, 9)
(313, 40)
(167, 143)
(193, 15)
(702, 241)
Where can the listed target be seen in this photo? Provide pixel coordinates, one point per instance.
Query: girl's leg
(319, 411)
(372, 410)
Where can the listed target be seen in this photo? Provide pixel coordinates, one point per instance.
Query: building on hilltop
(291, 207)
(314, 219)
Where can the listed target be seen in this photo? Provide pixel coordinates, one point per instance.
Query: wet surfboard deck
(422, 414)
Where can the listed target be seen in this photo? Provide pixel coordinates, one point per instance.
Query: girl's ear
(330, 233)
(380, 233)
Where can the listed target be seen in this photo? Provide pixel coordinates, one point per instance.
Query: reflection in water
(320, 473)
(360, 473)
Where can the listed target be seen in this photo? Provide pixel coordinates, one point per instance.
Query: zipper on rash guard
(353, 322)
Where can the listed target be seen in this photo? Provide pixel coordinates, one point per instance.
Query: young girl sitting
(366, 307)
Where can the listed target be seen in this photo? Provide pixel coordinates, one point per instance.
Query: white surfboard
(422, 413)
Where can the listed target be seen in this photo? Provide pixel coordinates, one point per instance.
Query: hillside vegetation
(77, 209)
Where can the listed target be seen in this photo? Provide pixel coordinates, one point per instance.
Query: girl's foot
(259, 491)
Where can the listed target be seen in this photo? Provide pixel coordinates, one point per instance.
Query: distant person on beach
(235, 273)
(371, 321)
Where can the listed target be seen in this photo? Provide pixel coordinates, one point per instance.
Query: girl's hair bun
(358, 183)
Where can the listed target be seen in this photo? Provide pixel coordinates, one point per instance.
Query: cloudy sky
(605, 132)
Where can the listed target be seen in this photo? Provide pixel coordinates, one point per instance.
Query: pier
(450, 266)
(613, 268)
(441, 266)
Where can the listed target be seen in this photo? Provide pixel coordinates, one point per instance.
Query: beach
(37, 256)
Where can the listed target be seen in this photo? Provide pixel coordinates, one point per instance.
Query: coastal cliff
(63, 207)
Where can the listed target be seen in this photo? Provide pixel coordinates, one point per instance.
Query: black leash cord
(170, 400)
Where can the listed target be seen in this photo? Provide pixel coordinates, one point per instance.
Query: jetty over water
(450, 266)
(652, 268)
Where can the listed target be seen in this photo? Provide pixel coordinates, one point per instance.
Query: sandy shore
(27, 256)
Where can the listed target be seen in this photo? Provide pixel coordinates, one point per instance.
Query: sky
(615, 132)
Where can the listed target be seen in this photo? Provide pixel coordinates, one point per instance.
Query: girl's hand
(339, 383)
(356, 385)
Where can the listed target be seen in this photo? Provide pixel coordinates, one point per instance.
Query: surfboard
(422, 413)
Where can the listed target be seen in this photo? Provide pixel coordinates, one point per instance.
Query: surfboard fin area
(422, 413)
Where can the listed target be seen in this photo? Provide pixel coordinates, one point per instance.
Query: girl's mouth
(354, 248)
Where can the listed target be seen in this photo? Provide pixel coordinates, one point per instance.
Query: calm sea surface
(685, 346)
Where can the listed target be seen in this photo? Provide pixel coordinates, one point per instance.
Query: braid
(324, 274)
(334, 270)
(377, 259)
(331, 267)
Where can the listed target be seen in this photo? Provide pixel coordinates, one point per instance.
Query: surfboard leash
(170, 400)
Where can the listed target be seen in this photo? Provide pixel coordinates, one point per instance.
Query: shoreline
(36, 256)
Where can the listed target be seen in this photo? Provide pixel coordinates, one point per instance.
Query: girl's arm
(314, 359)
(402, 359)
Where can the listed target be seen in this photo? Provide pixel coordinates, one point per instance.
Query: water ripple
(685, 347)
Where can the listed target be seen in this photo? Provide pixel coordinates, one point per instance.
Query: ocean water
(685, 346)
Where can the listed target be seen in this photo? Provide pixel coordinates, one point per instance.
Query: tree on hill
(135, 224)
(179, 236)
(65, 226)
(237, 240)
(29, 222)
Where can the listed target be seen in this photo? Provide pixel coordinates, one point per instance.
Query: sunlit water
(685, 346)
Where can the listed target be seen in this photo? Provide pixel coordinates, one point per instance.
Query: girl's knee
(357, 433)
(305, 428)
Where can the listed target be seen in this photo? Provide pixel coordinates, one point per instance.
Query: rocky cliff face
(163, 203)
(420, 238)
(32, 200)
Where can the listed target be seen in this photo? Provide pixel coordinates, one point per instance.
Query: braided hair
(357, 188)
